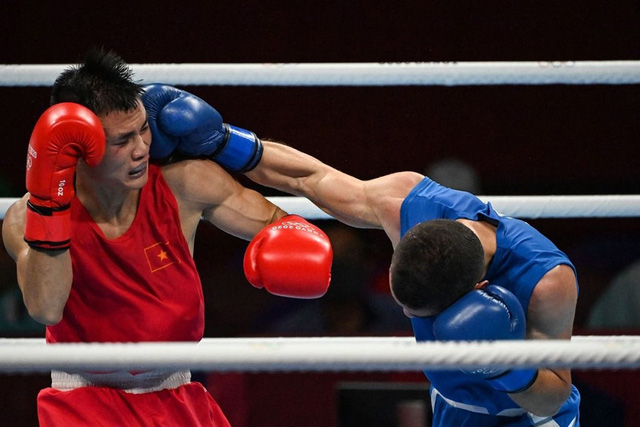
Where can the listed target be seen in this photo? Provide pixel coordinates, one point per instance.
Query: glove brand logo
(61, 185)
(486, 371)
(159, 256)
(32, 154)
(290, 225)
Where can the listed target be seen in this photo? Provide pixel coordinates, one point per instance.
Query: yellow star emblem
(162, 255)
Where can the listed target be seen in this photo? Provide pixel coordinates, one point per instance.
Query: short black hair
(103, 83)
(435, 263)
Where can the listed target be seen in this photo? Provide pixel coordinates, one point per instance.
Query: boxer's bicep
(552, 306)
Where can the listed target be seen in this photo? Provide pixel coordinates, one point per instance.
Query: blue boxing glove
(184, 124)
(491, 313)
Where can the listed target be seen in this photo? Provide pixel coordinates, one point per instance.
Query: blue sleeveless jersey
(523, 256)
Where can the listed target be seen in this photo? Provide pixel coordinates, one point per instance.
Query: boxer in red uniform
(103, 241)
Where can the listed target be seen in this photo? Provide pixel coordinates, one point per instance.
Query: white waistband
(144, 382)
(511, 412)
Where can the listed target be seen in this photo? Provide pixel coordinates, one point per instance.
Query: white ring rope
(320, 354)
(356, 74)
(601, 206)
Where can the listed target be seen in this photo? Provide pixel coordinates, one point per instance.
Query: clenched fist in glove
(182, 123)
(290, 258)
(490, 313)
(64, 133)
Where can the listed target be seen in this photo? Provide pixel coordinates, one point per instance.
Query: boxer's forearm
(547, 395)
(45, 280)
(336, 193)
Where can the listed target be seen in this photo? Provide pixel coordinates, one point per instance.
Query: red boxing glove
(290, 258)
(63, 134)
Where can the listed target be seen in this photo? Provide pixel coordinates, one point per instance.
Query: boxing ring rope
(598, 206)
(356, 74)
(320, 354)
(350, 354)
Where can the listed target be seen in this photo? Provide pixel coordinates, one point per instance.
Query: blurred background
(490, 140)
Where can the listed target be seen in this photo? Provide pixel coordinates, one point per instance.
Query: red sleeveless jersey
(141, 286)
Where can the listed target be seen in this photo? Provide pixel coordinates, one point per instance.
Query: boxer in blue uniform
(460, 270)
(521, 259)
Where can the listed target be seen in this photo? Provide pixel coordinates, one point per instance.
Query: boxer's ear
(481, 285)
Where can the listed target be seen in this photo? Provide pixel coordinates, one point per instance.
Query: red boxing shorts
(187, 405)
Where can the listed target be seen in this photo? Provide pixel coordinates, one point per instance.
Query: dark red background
(522, 139)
